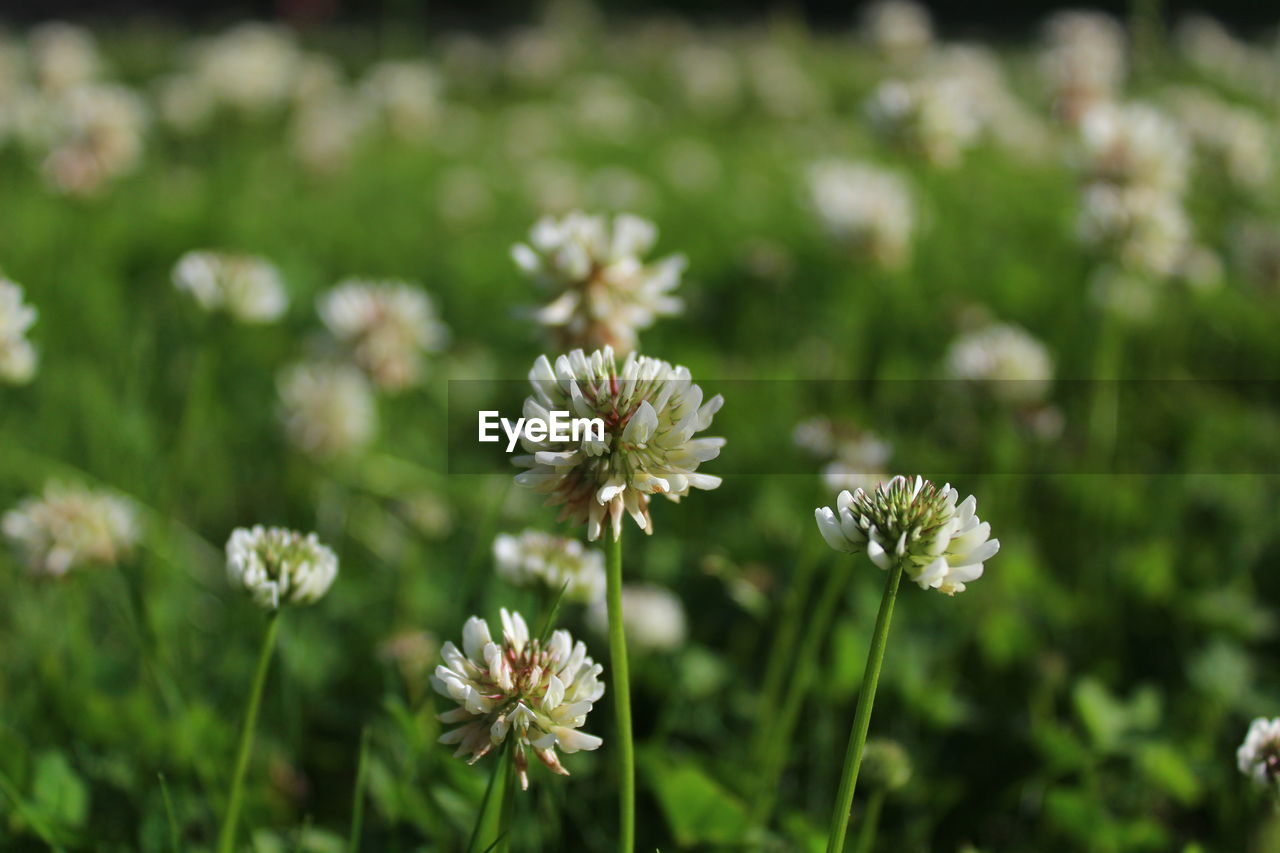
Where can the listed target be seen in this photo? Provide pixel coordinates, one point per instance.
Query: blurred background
(1036, 252)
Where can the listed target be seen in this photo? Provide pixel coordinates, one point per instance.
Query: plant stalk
(621, 698)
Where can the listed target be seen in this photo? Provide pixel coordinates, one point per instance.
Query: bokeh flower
(602, 290)
(930, 116)
(942, 545)
(69, 527)
(328, 409)
(1008, 360)
(388, 325)
(539, 693)
(535, 557)
(278, 566)
(17, 355)
(651, 412)
(652, 616)
(864, 207)
(247, 287)
(1259, 756)
(96, 134)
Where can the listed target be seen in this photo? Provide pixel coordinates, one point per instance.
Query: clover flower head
(1144, 230)
(17, 355)
(535, 557)
(941, 544)
(900, 29)
(387, 324)
(602, 290)
(1135, 145)
(247, 287)
(328, 409)
(96, 134)
(540, 693)
(1083, 60)
(651, 411)
(406, 93)
(886, 764)
(931, 116)
(857, 457)
(867, 208)
(1014, 365)
(278, 566)
(1259, 756)
(71, 526)
(251, 67)
(652, 617)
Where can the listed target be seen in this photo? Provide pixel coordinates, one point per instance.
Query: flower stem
(231, 821)
(862, 717)
(357, 799)
(870, 823)
(489, 830)
(621, 698)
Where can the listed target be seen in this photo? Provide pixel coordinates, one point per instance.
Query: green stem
(231, 821)
(862, 718)
(357, 800)
(870, 823)
(782, 653)
(621, 698)
(488, 830)
(806, 665)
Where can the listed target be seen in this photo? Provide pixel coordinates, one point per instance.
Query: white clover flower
(1146, 231)
(328, 409)
(1238, 141)
(96, 134)
(1135, 145)
(602, 291)
(941, 545)
(184, 104)
(651, 412)
(1259, 756)
(247, 287)
(17, 355)
(72, 526)
(326, 131)
(900, 29)
(1007, 359)
(1083, 60)
(251, 68)
(387, 324)
(867, 208)
(652, 617)
(708, 78)
(540, 693)
(931, 116)
(406, 94)
(278, 566)
(858, 457)
(63, 56)
(535, 557)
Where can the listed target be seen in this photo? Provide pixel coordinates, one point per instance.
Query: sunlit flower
(535, 557)
(251, 67)
(651, 412)
(1007, 359)
(652, 617)
(96, 134)
(406, 95)
(1259, 756)
(63, 56)
(540, 693)
(900, 29)
(71, 526)
(1083, 60)
(941, 545)
(931, 116)
(328, 409)
(388, 325)
(17, 355)
(1134, 145)
(247, 287)
(278, 566)
(1146, 231)
(867, 208)
(602, 290)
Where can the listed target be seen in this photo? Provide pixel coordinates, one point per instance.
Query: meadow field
(259, 275)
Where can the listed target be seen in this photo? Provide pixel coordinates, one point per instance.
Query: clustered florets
(540, 692)
(651, 412)
(941, 545)
(278, 566)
